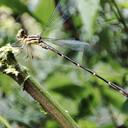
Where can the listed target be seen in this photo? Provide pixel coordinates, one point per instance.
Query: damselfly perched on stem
(29, 40)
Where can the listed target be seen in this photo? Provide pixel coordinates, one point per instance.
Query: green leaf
(51, 124)
(5, 122)
(15, 5)
(114, 97)
(123, 4)
(44, 10)
(70, 90)
(125, 107)
(18, 7)
(86, 124)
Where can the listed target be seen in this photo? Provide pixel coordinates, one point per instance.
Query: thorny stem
(9, 66)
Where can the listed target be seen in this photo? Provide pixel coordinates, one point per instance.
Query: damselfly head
(21, 34)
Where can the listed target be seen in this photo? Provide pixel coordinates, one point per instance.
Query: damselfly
(29, 40)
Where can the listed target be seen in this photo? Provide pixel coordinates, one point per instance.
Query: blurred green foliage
(87, 99)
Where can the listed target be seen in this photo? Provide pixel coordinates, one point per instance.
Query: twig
(9, 66)
(119, 16)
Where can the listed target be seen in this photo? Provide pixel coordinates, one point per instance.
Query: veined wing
(69, 43)
(61, 9)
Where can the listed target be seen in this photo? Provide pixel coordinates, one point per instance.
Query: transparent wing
(61, 9)
(71, 44)
(16, 44)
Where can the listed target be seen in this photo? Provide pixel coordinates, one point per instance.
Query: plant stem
(9, 66)
(119, 16)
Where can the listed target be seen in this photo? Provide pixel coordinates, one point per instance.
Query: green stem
(9, 66)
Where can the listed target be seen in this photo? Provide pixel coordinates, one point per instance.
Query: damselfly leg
(27, 47)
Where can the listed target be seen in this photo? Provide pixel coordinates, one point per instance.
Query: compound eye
(21, 34)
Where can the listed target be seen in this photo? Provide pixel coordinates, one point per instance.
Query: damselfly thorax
(25, 39)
